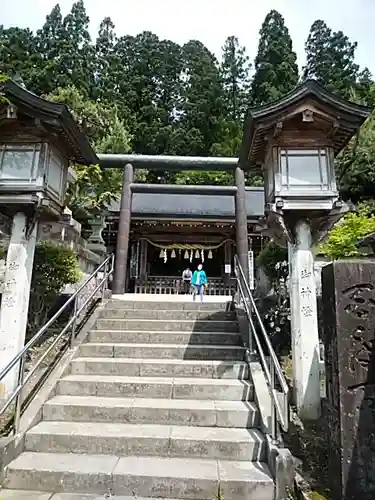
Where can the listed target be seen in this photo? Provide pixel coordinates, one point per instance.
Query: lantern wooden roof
(52, 120)
(342, 120)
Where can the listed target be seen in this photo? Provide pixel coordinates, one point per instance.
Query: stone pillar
(15, 298)
(122, 246)
(348, 293)
(304, 324)
(241, 220)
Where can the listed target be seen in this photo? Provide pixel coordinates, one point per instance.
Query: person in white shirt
(186, 279)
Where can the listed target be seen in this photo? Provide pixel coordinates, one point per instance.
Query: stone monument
(348, 292)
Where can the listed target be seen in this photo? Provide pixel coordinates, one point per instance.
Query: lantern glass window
(19, 162)
(55, 173)
(304, 169)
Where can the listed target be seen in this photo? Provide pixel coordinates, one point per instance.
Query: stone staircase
(157, 404)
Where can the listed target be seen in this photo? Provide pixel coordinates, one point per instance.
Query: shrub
(55, 266)
(342, 239)
(273, 259)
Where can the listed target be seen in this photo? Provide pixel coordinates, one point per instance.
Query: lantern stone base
(304, 324)
(15, 297)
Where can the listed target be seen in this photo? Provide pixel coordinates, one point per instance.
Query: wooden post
(143, 260)
(241, 220)
(122, 247)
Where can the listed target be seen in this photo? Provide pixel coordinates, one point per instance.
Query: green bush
(273, 259)
(341, 241)
(55, 266)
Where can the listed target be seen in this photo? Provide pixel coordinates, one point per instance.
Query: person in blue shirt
(199, 282)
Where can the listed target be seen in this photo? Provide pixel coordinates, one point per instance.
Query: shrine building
(170, 232)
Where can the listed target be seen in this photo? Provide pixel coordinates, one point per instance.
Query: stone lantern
(38, 140)
(294, 141)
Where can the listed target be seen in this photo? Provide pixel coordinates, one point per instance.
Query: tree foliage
(276, 70)
(355, 166)
(342, 239)
(152, 96)
(94, 187)
(3, 79)
(330, 59)
(235, 70)
(273, 259)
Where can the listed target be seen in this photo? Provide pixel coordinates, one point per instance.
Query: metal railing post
(105, 279)
(273, 408)
(250, 332)
(74, 324)
(17, 414)
(270, 364)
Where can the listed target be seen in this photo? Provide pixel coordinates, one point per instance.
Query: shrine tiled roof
(191, 205)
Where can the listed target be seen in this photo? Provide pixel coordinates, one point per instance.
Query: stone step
(183, 478)
(162, 351)
(40, 495)
(200, 413)
(166, 325)
(146, 440)
(160, 368)
(156, 387)
(173, 305)
(168, 337)
(168, 314)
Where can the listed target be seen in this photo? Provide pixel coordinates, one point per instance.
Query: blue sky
(211, 21)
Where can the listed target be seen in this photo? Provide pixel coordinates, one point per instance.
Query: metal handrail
(279, 414)
(20, 358)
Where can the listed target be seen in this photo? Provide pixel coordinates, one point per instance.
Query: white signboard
(251, 269)
(228, 269)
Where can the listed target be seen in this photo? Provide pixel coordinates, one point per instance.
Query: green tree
(66, 54)
(198, 129)
(235, 69)
(330, 59)
(276, 70)
(147, 78)
(204, 178)
(364, 87)
(18, 54)
(3, 79)
(78, 52)
(202, 104)
(105, 62)
(342, 239)
(95, 187)
(355, 165)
